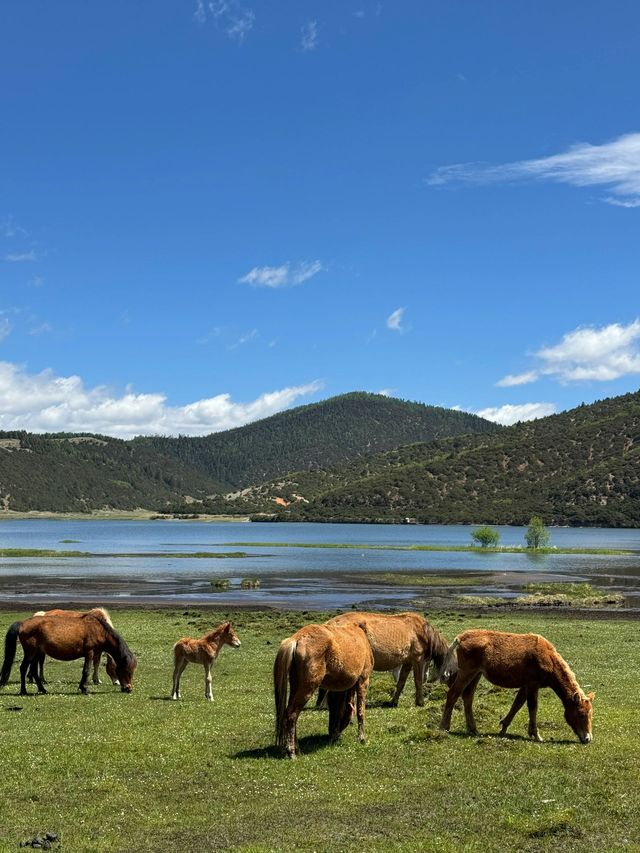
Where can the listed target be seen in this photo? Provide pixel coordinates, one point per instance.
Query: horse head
(124, 672)
(579, 713)
(230, 637)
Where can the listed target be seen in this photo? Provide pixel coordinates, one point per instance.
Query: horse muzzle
(126, 688)
(586, 738)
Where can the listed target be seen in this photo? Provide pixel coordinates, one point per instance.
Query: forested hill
(78, 473)
(581, 467)
(315, 436)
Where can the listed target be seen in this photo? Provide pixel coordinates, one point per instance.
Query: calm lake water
(296, 577)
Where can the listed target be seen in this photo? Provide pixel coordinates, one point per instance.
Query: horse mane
(438, 644)
(123, 653)
(213, 635)
(565, 673)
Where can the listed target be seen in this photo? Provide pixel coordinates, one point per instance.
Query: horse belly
(506, 676)
(66, 651)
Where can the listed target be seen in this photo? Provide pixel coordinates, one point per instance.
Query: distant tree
(537, 535)
(485, 536)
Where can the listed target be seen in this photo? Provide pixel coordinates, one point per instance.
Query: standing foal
(204, 651)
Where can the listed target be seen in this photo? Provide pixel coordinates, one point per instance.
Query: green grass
(44, 552)
(113, 772)
(408, 579)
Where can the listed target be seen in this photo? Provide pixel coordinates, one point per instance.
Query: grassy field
(115, 772)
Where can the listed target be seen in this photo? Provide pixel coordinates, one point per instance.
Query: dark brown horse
(334, 657)
(525, 661)
(403, 640)
(110, 665)
(204, 651)
(66, 638)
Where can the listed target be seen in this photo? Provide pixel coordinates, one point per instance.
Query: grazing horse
(525, 661)
(204, 651)
(66, 638)
(111, 667)
(403, 641)
(336, 657)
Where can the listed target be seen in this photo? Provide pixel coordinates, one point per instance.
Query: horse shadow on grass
(308, 745)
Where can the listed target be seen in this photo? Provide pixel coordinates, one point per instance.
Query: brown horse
(110, 665)
(66, 638)
(525, 661)
(204, 651)
(338, 658)
(404, 640)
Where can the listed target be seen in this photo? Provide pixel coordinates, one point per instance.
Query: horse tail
(10, 645)
(450, 664)
(281, 669)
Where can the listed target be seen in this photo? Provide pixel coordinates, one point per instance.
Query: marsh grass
(114, 772)
(408, 579)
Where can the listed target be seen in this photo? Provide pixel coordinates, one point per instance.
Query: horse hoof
(536, 737)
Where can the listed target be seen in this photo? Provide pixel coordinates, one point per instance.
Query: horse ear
(591, 696)
(577, 697)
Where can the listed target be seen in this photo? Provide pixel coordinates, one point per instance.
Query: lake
(139, 561)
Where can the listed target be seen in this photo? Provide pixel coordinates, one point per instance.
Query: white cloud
(235, 20)
(282, 276)
(44, 402)
(615, 165)
(517, 379)
(587, 353)
(309, 36)
(245, 338)
(21, 257)
(511, 414)
(394, 320)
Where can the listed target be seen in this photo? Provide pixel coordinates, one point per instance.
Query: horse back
(508, 660)
(60, 637)
(336, 656)
(394, 638)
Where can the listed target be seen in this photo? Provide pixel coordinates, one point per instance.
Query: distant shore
(115, 515)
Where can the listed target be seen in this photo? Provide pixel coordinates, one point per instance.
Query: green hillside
(79, 473)
(316, 436)
(581, 467)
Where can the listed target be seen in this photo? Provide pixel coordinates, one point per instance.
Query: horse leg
(467, 698)
(322, 700)
(297, 701)
(208, 692)
(402, 679)
(419, 671)
(518, 702)
(532, 705)
(36, 667)
(453, 694)
(96, 667)
(84, 679)
(361, 697)
(179, 668)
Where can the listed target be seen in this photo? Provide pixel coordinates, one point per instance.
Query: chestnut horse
(525, 661)
(403, 640)
(204, 651)
(338, 658)
(110, 665)
(66, 638)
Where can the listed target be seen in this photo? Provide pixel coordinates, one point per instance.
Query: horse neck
(563, 681)
(439, 646)
(215, 639)
(115, 645)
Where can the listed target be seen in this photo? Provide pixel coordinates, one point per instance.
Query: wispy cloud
(395, 320)
(21, 257)
(517, 379)
(5, 327)
(286, 275)
(614, 165)
(245, 338)
(587, 354)
(45, 402)
(234, 19)
(511, 414)
(10, 228)
(309, 36)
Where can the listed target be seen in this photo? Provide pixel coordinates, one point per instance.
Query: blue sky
(211, 211)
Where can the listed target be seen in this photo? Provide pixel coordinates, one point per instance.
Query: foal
(204, 651)
(526, 661)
